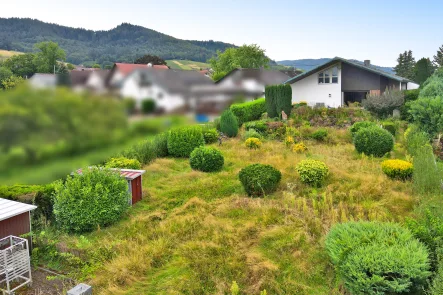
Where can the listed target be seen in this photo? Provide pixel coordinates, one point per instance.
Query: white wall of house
(96, 82)
(412, 85)
(309, 90)
(162, 98)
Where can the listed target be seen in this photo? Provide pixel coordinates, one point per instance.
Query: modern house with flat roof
(340, 81)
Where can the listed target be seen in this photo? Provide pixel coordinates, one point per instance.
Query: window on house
(328, 76)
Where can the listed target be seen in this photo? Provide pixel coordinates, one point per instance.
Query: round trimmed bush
(95, 198)
(373, 141)
(377, 258)
(259, 179)
(360, 125)
(312, 172)
(210, 135)
(183, 140)
(397, 169)
(206, 159)
(253, 143)
(124, 163)
(229, 123)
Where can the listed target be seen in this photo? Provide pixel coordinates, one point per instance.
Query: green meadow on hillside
(187, 65)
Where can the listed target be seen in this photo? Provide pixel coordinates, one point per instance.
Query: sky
(377, 30)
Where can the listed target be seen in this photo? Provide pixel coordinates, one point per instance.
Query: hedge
(183, 140)
(249, 111)
(278, 98)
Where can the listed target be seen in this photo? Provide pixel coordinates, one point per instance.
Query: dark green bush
(278, 99)
(160, 143)
(210, 135)
(44, 200)
(229, 124)
(94, 199)
(206, 159)
(144, 152)
(359, 125)
(320, 134)
(249, 111)
(410, 95)
(148, 106)
(373, 141)
(259, 179)
(183, 140)
(427, 114)
(390, 126)
(375, 258)
(130, 105)
(124, 163)
(259, 126)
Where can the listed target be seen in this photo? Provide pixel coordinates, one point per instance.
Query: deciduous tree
(152, 59)
(46, 59)
(21, 65)
(423, 70)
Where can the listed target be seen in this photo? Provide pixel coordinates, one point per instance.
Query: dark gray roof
(350, 62)
(174, 81)
(266, 77)
(79, 77)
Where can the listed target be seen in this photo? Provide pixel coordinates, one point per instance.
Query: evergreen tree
(405, 66)
(423, 70)
(438, 58)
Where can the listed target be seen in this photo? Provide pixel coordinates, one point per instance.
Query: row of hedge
(249, 111)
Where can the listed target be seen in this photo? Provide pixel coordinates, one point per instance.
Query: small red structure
(134, 178)
(15, 218)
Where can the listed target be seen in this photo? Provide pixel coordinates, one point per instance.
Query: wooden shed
(134, 179)
(15, 218)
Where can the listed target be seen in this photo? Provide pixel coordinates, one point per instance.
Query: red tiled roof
(129, 174)
(125, 69)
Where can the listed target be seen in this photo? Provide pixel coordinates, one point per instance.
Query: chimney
(367, 62)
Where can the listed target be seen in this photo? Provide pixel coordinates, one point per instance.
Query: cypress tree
(229, 123)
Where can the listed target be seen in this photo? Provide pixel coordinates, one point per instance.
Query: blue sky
(376, 30)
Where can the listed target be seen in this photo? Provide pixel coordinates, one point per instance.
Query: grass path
(195, 233)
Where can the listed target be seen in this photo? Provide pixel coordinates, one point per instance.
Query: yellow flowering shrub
(397, 169)
(253, 143)
(299, 147)
(289, 140)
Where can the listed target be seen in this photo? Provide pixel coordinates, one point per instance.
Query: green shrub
(94, 199)
(427, 114)
(320, 134)
(426, 177)
(414, 139)
(312, 172)
(210, 135)
(143, 151)
(160, 144)
(44, 200)
(251, 133)
(373, 141)
(229, 124)
(437, 283)
(249, 111)
(259, 126)
(360, 125)
(217, 123)
(148, 106)
(124, 163)
(183, 140)
(206, 159)
(384, 104)
(259, 179)
(410, 95)
(397, 169)
(130, 105)
(390, 126)
(278, 99)
(375, 258)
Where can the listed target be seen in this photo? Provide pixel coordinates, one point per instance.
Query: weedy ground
(196, 233)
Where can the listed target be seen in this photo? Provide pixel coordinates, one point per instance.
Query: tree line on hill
(124, 43)
(418, 71)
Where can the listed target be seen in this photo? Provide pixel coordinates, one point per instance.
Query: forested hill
(123, 43)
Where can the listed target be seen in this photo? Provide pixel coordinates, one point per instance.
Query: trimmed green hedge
(278, 98)
(259, 179)
(206, 159)
(375, 258)
(124, 163)
(160, 143)
(94, 199)
(183, 140)
(249, 111)
(374, 141)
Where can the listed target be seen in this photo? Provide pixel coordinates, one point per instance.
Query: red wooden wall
(136, 185)
(17, 225)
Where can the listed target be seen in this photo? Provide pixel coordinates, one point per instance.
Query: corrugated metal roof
(353, 63)
(10, 208)
(129, 174)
